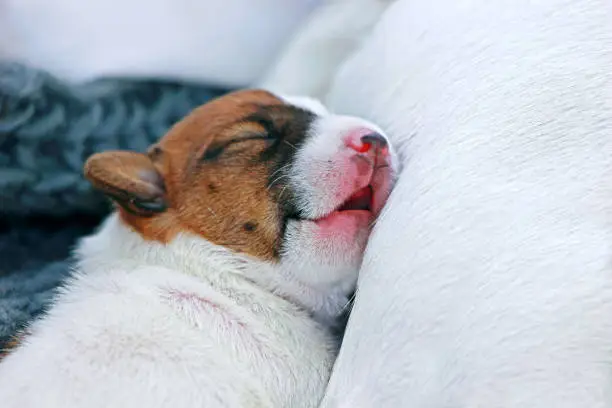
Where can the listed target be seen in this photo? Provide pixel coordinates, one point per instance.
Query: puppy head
(278, 179)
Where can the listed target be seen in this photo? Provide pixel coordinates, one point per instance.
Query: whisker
(348, 304)
(280, 169)
(212, 212)
(281, 193)
(275, 180)
(373, 223)
(286, 142)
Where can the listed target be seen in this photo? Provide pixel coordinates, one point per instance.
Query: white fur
(132, 331)
(189, 323)
(326, 160)
(322, 176)
(331, 33)
(225, 42)
(487, 282)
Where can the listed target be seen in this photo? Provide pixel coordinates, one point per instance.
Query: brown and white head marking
(279, 180)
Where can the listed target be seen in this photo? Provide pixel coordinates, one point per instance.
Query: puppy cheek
(324, 183)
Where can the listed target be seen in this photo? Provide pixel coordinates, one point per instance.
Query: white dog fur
(123, 349)
(187, 323)
(487, 282)
(330, 34)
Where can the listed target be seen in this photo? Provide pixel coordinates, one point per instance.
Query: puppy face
(281, 180)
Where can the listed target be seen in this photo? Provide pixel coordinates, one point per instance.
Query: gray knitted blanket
(47, 131)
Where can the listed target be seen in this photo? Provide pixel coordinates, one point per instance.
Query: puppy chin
(327, 251)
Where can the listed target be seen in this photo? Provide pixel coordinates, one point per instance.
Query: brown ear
(130, 179)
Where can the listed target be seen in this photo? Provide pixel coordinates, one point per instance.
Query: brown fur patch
(215, 179)
(12, 344)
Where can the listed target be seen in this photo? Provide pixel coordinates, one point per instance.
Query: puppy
(234, 246)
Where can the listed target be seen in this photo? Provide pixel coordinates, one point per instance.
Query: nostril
(375, 140)
(363, 140)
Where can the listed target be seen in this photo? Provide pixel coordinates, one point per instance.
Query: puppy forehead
(212, 120)
(307, 103)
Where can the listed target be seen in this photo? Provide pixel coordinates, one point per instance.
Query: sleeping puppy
(234, 246)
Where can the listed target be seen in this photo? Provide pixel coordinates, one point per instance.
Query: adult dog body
(488, 282)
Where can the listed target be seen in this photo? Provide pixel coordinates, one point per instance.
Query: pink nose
(370, 141)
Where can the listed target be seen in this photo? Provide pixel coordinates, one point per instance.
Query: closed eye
(214, 151)
(266, 123)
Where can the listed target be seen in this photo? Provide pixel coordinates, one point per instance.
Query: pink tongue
(361, 200)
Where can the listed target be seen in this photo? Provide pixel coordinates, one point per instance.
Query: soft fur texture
(487, 282)
(32, 264)
(48, 128)
(130, 332)
(234, 247)
(330, 34)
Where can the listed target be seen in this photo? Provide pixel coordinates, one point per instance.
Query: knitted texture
(33, 262)
(47, 131)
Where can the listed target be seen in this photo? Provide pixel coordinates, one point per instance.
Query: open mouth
(361, 200)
